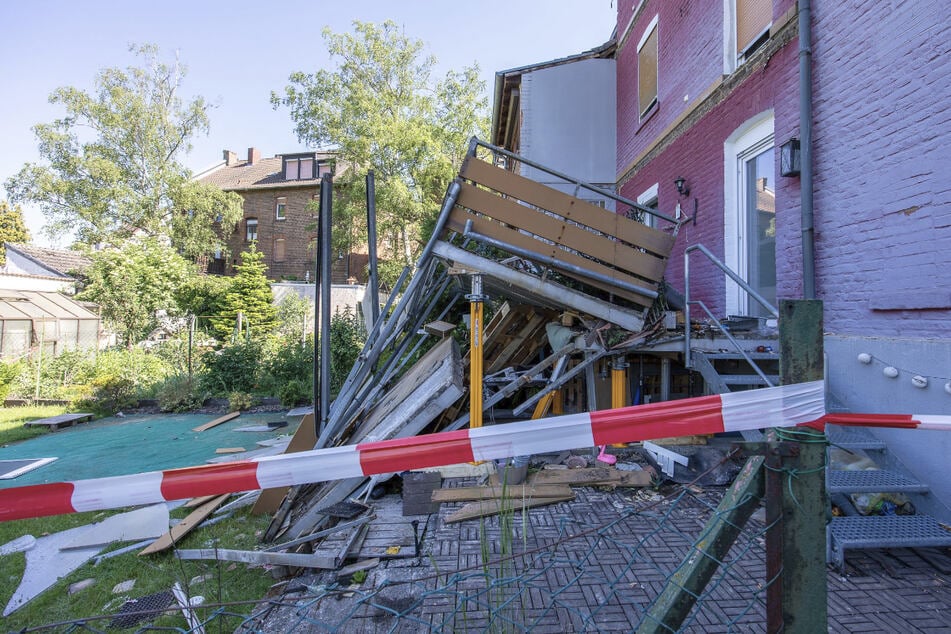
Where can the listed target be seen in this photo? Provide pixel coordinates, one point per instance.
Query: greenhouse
(44, 321)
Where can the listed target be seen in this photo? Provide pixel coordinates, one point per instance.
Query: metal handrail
(688, 362)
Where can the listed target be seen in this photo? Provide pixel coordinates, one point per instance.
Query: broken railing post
(476, 299)
(326, 245)
(373, 281)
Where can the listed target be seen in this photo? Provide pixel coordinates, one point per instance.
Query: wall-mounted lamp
(789, 158)
(681, 184)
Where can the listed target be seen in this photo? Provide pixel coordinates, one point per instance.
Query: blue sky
(237, 52)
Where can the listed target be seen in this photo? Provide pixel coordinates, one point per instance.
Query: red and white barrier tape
(785, 406)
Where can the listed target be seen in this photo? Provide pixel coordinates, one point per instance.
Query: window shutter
(647, 72)
(752, 18)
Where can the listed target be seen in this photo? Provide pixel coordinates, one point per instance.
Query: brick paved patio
(594, 565)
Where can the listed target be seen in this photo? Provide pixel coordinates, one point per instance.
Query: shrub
(179, 393)
(113, 393)
(346, 342)
(287, 361)
(293, 392)
(234, 368)
(8, 372)
(239, 401)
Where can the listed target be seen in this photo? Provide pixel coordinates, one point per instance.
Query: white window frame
(752, 137)
(651, 26)
(645, 198)
(247, 229)
(280, 208)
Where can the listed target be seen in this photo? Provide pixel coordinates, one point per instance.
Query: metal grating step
(888, 531)
(854, 438)
(872, 481)
(748, 379)
(736, 356)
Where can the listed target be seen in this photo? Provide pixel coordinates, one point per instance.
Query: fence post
(804, 499)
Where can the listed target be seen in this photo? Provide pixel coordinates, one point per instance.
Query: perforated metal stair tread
(748, 379)
(736, 356)
(890, 531)
(853, 439)
(872, 481)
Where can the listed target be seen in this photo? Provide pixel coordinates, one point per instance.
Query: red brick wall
(298, 230)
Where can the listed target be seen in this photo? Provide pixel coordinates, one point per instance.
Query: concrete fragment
(123, 586)
(144, 523)
(80, 585)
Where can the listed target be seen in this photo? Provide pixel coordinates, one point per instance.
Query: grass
(12, 419)
(222, 582)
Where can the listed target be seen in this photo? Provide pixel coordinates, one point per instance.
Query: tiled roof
(265, 173)
(64, 262)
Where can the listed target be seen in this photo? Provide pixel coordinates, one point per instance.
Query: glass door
(759, 224)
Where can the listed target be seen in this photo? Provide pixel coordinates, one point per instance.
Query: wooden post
(805, 501)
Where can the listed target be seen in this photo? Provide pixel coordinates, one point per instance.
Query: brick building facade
(281, 194)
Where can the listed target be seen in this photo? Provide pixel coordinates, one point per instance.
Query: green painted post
(805, 502)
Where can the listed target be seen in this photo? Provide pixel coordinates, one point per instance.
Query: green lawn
(12, 419)
(217, 582)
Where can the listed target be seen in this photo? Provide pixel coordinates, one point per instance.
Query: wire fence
(597, 564)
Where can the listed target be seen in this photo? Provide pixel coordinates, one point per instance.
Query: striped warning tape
(785, 406)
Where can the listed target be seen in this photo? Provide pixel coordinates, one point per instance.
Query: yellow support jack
(476, 299)
(618, 387)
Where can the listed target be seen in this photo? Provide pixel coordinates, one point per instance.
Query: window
(648, 198)
(300, 167)
(251, 233)
(281, 209)
(647, 69)
(750, 214)
(746, 27)
(280, 252)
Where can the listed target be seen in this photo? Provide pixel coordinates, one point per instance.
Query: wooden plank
(601, 247)
(184, 527)
(304, 440)
(462, 494)
(484, 508)
(592, 476)
(567, 206)
(516, 344)
(192, 503)
(366, 564)
(221, 450)
(62, 420)
(457, 221)
(260, 557)
(217, 421)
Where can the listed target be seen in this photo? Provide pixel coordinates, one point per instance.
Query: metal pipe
(326, 245)
(805, 151)
(555, 263)
(317, 266)
(373, 281)
(519, 383)
(567, 376)
(571, 179)
(452, 193)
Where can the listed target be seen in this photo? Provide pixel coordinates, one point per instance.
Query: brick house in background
(280, 195)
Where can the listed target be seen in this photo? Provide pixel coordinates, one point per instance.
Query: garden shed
(31, 320)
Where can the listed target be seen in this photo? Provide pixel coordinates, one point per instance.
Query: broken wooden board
(592, 476)
(217, 421)
(518, 492)
(304, 439)
(484, 508)
(63, 420)
(221, 450)
(192, 503)
(358, 566)
(184, 527)
(260, 557)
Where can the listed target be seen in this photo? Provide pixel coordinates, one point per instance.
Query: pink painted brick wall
(698, 154)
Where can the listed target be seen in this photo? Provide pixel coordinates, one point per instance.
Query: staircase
(854, 531)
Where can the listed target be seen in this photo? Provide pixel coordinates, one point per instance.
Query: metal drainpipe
(805, 150)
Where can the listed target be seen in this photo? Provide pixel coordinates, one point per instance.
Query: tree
(250, 294)
(381, 109)
(112, 163)
(132, 283)
(12, 227)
